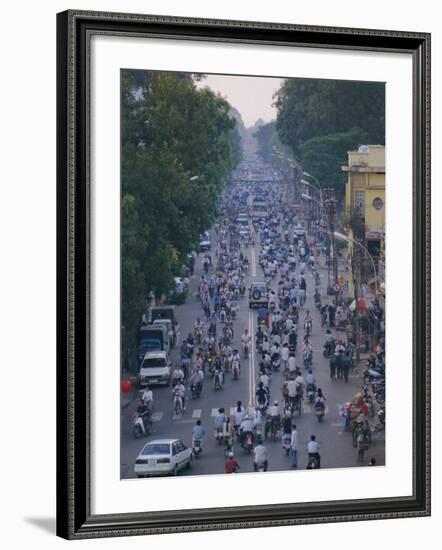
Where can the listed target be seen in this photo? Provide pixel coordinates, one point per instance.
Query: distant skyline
(252, 96)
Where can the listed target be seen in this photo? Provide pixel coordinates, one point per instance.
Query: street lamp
(343, 237)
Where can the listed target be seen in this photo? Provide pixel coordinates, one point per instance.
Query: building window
(378, 203)
(360, 202)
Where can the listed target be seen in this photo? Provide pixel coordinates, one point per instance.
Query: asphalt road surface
(336, 445)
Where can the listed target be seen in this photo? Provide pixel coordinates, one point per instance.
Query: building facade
(365, 194)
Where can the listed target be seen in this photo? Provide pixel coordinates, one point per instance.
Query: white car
(163, 457)
(155, 369)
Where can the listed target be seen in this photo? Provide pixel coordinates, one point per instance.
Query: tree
(323, 156)
(315, 108)
(171, 131)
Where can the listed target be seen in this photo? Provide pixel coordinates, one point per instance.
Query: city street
(336, 451)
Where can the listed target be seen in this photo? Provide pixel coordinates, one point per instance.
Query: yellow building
(365, 193)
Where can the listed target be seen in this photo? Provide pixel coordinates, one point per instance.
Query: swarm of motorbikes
(284, 324)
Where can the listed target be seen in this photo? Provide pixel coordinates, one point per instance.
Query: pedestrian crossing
(197, 414)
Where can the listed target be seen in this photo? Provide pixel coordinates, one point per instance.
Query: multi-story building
(365, 193)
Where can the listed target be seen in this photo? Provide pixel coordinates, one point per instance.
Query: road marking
(214, 412)
(196, 413)
(253, 261)
(157, 416)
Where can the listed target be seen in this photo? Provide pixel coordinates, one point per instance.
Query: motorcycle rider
(144, 413)
(300, 382)
(313, 452)
(218, 421)
(245, 429)
(260, 457)
(285, 352)
(147, 397)
(238, 417)
(259, 337)
(245, 341)
(180, 391)
(275, 415)
(320, 402)
(231, 466)
(178, 375)
(292, 390)
(310, 379)
(198, 432)
(262, 396)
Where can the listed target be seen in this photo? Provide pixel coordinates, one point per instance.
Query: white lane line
(252, 358)
(214, 412)
(196, 413)
(156, 417)
(253, 259)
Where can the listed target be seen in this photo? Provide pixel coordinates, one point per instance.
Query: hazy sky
(251, 95)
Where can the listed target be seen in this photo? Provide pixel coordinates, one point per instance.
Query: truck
(162, 312)
(152, 338)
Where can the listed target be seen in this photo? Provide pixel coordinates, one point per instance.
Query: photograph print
(252, 274)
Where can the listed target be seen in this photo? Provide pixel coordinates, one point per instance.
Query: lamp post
(343, 237)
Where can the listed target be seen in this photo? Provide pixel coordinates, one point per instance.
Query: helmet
(231, 454)
(275, 403)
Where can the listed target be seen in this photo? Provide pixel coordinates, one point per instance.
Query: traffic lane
(166, 424)
(337, 444)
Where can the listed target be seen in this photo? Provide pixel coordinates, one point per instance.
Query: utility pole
(330, 205)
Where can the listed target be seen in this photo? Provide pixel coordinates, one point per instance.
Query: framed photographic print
(243, 274)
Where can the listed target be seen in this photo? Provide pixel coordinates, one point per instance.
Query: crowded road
(337, 450)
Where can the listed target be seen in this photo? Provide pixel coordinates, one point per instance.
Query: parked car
(204, 242)
(155, 369)
(163, 457)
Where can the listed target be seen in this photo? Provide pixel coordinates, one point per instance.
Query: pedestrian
(313, 450)
(339, 365)
(294, 447)
(177, 333)
(331, 315)
(346, 362)
(333, 368)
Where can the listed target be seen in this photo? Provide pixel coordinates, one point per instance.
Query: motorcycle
(311, 390)
(320, 411)
(286, 443)
(197, 447)
(138, 423)
(219, 438)
(245, 350)
(218, 380)
(178, 404)
(307, 328)
(308, 359)
(272, 427)
(276, 362)
(317, 299)
(328, 349)
(195, 390)
(198, 336)
(235, 370)
(248, 443)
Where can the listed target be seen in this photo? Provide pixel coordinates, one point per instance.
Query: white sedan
(162, 457)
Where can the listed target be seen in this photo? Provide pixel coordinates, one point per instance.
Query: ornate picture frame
(74, 32)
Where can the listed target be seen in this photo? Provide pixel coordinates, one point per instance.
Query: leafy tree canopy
(171, 132)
